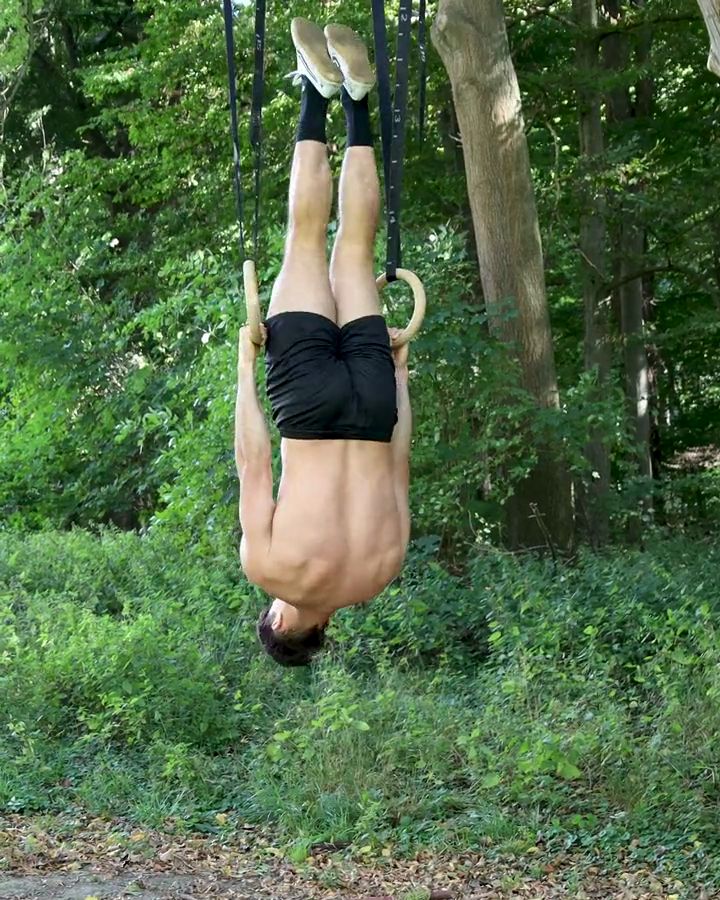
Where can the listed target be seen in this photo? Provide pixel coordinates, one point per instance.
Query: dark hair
(289, 649)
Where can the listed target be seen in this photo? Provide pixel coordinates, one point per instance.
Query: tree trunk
(472, 41)
(656, 366)
(593, 260)
(637, 373)
(711, 13)
(619, 53)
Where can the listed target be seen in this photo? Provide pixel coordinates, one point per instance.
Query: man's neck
(288, 619)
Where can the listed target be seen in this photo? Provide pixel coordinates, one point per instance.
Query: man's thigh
(303, 285)
(353, 284)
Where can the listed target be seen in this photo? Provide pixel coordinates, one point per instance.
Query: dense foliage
(576, 706)
(483, 699)
(118, 266)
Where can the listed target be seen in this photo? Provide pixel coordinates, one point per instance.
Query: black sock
(313, 112)
(357, 118)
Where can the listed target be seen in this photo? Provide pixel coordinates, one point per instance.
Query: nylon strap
(258, 89)
(382, 67)
(234, 136)
(397, 144)
(393, 114)
(422, 47)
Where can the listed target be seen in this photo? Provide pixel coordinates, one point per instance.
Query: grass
(576, 707)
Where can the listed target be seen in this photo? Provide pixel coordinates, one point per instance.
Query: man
(339, 530)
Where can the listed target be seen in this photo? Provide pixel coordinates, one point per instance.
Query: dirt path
(79, 858)
(108, 887)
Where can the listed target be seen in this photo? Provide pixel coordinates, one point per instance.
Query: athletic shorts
(327, 382)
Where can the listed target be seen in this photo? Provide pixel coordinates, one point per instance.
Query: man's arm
(402, 437)
(253, 458)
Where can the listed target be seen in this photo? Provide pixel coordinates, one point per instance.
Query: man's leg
(352, 269)
(303, 283)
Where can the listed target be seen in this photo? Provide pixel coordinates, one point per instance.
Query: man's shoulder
(254, 564)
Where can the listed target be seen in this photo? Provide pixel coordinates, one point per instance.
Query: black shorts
(328, 382)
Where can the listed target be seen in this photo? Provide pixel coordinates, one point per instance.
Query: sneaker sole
(313, 59)
(349, 53)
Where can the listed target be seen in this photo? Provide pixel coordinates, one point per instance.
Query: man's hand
(400, 354)
(247, 349)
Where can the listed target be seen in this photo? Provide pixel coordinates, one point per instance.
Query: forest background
(555, 631)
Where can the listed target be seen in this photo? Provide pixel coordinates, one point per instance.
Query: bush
(578, 702)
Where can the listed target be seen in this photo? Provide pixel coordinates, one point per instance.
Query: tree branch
(604, 31)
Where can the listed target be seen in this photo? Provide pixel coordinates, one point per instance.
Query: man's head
(289, 647)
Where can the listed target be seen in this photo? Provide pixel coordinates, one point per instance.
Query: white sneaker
(313, 60)
(350, 55)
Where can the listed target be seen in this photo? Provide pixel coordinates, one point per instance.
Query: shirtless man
(338, 532)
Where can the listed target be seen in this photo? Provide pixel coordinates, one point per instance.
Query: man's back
(340, 527)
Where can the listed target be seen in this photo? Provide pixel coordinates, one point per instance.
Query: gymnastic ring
(413, 326)
(252, 303)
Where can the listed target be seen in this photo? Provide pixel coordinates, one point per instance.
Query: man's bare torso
(340, 526)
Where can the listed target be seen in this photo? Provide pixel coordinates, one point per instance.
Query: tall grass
(577, 705)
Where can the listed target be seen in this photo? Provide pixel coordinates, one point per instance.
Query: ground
(80, 858)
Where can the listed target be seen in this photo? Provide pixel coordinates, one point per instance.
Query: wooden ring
(254, 317)
(413, 326)
(252, 302)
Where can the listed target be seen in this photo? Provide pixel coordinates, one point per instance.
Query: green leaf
(566, 769)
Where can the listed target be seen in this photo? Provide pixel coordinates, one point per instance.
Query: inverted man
(339, 530)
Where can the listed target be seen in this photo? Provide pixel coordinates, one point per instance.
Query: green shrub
(578, 701)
